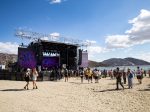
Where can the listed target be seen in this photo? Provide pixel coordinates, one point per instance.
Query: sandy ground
(73, 96)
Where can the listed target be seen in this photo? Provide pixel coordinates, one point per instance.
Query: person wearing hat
(27, 78)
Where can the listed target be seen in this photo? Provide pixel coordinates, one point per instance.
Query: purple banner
(26, 58)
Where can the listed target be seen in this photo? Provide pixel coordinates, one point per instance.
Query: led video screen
(50, 62)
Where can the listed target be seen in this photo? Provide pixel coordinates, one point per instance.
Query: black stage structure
(68, 49)
(69, 54)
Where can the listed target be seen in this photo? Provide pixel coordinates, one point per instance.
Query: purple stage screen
(49, 62)
(26, 58)
(84, 59)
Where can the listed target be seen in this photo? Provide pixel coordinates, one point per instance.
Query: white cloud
(95, 51)
(91, 41)
(8, 47)
(138, 34)
(88, 42)
(144, 56)
(140, 31)
(117, 41)
(52, 37)
(55, 1)
(45, 38)
(140, 22)
(55, 34)
(92, 48)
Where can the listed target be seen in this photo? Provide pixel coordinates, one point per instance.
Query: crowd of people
(90, 75)
(127, 76)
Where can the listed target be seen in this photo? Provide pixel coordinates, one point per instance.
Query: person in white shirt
(34, 78)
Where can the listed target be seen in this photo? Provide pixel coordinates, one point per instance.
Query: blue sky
(116, 28)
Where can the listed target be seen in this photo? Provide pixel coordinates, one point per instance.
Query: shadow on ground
(79, 83)
(144, 90)
(12, 90)
(107, 90)
(148, 85)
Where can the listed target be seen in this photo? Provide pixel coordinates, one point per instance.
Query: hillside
(117, 62)
(6, 58)
(137, 61)
(96, 64)
(124, 62)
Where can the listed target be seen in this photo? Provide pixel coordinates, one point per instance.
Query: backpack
(130, 75)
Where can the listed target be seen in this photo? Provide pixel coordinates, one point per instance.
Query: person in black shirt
(81, 72)
(27, 78)
(118, 79)
(124, 76)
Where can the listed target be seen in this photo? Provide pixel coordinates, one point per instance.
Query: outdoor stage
(49, 55)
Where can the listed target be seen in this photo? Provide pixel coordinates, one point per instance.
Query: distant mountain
(137, 61)
(96, 64)
(117, 62)
(7, 58)
(124, 62)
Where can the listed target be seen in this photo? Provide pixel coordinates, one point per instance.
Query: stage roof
(54, 43)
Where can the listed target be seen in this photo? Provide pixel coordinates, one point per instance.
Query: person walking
(81, 72)
(27, 78)
(65, 73)
(86, 74)
(130, 79)
(96, 75)
(34, 78)
(139, 75)
(110, 72)
(89, 74)
(118, 79)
